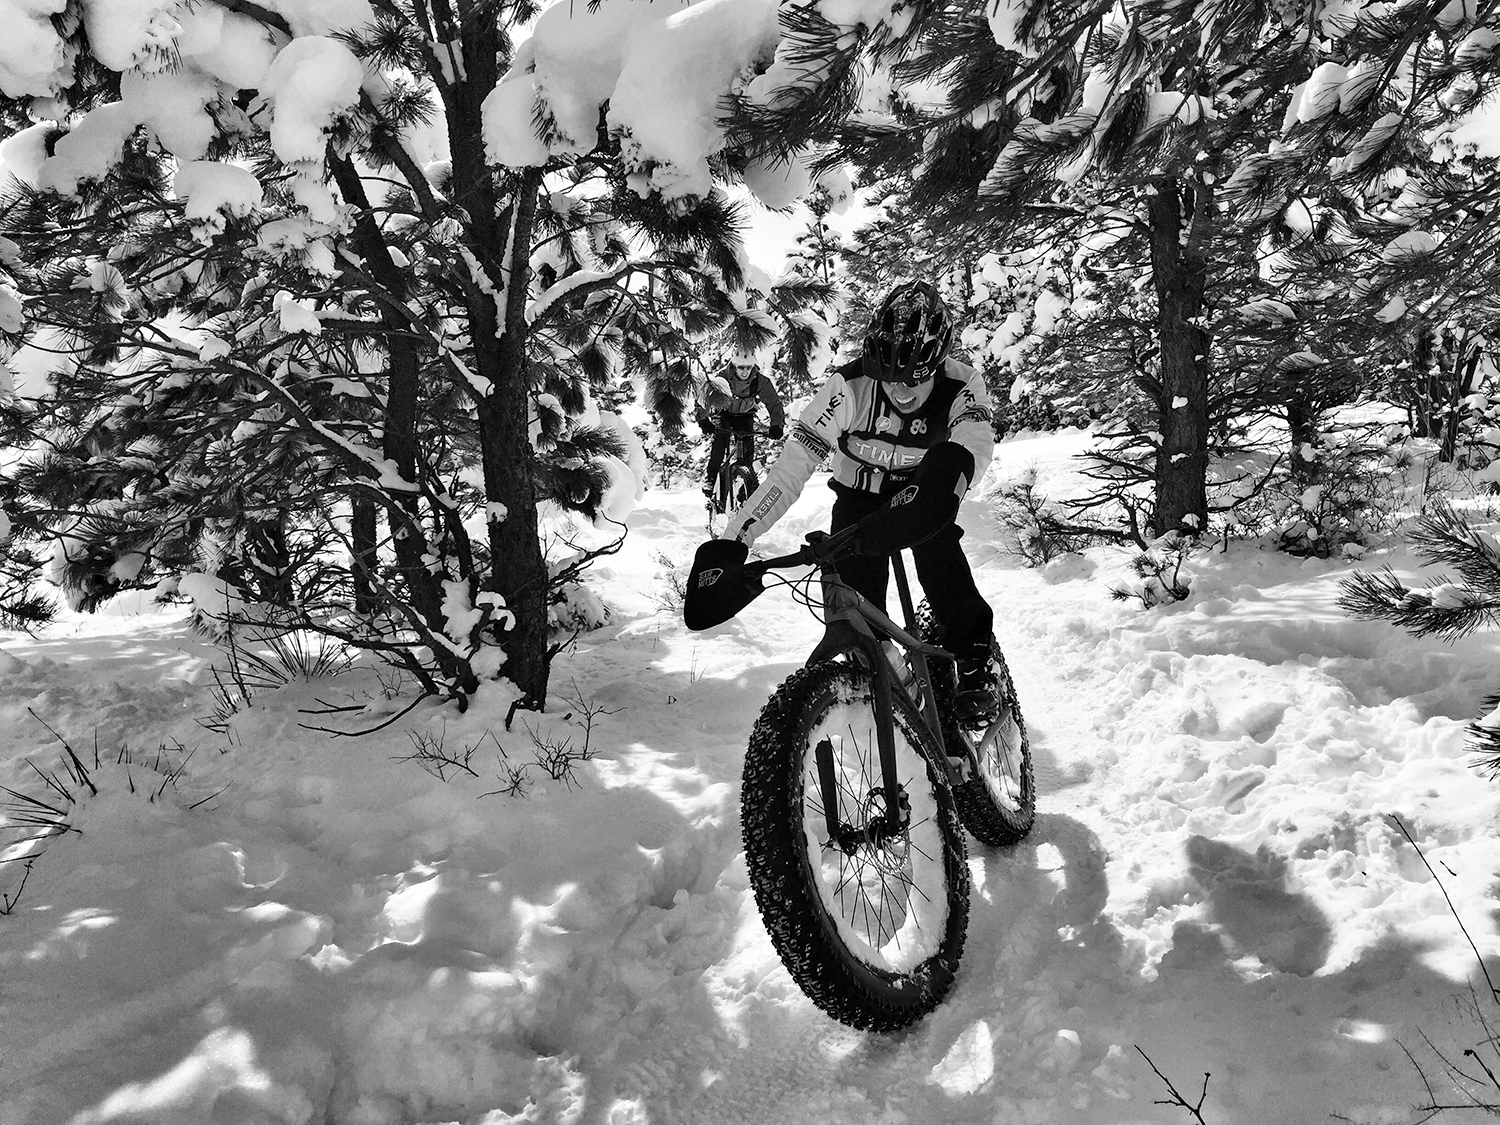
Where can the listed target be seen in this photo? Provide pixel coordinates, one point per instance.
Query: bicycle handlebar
(823, 548)
(820, 549)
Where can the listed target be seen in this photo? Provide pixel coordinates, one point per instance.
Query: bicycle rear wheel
(997, 798)
(870, 926)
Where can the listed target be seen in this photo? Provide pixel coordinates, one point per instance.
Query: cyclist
(909, 431)
(727, 404)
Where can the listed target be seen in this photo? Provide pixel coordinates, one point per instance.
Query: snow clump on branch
(663, 70)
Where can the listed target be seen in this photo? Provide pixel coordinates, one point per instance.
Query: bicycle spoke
(869, 932)
(888, 897)
(874, 885)
(880, 936)
(861, 900)
(919, 891)
(918, 849)
(845, 875)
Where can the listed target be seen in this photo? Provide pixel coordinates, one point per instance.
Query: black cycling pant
(741, 425)
(963, 616)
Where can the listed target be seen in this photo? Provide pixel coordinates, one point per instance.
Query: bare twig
(326, 708)
(1422, 1074)
(430, 752)
(1177, 1098)
(590, 711)
(1494, 995)
(513, 778)
(8, 902)
(367, 730)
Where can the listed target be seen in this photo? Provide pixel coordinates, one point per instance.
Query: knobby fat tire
(724, 489)
(842, 984)
(987, 820)
(743, 484)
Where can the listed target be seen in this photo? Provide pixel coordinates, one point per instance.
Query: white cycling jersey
(875, 448)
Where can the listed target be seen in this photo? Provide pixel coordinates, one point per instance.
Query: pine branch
(1443, 536)
(1440, 610)
(1484, 738)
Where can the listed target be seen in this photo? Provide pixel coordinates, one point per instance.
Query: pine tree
(892, 246)
(815, 253)
(814, 271)
(420, 347)
(1174, 114)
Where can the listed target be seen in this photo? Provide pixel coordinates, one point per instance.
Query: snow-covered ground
(299, 927)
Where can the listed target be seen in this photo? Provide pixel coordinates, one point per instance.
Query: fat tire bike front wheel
(871, 924)
(742, 485)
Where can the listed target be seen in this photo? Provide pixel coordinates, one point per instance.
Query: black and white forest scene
(749, 562)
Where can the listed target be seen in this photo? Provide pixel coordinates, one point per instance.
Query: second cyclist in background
(727, 405)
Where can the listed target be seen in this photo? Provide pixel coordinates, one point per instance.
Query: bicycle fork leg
(892, 821)
(829, 784)
(885, 742)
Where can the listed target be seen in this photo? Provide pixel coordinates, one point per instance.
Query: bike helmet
(908, 336)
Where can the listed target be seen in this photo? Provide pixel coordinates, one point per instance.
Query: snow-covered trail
(338, 937)
(1152, 734)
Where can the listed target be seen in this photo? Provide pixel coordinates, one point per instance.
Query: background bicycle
(737, 477)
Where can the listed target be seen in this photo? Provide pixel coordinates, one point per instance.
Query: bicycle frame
(741, 446)
(741, 451)
(854, 624)
(848, 608)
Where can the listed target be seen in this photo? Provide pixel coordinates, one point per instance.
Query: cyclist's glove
(706, 425)
(921, 509)
(717, 587)
(775, 433)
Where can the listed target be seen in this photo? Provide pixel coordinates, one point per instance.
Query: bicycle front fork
(896, 813)
(874, 831)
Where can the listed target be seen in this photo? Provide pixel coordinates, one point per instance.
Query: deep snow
(334, 935)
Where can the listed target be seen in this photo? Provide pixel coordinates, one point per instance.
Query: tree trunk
(400, 442)
(362, 530)
(1179, 271)
(268, 560)
(518, 571)
(400, 446)
(966, 315)
(1466, 355)
(1302, 423)
(1424, 358)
